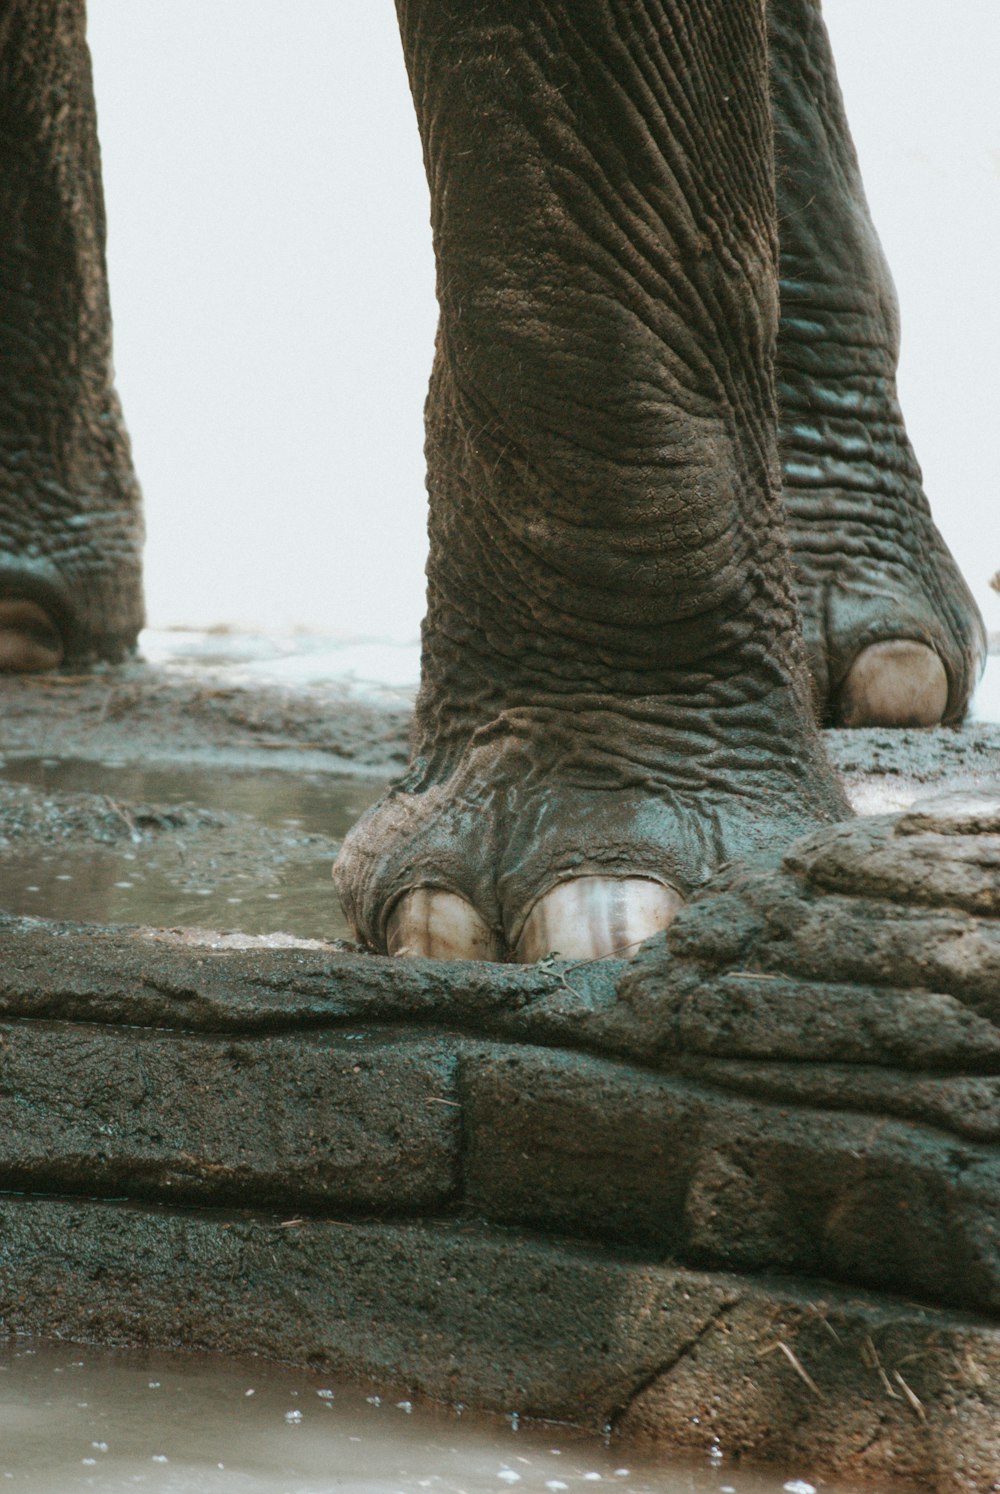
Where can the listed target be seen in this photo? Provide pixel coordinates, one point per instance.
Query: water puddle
(324, 803)
(81, 1419)
(211, 848)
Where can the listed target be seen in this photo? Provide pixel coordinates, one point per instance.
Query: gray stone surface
(364, 1122)
(510, 1186)
(774, 1369)
(568, 1143)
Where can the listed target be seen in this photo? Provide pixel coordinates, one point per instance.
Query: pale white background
(272, 288)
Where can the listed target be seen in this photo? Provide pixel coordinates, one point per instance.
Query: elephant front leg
(894, 637)
(70, 522)
(613, 700)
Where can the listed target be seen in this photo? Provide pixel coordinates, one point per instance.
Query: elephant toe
(29, 641)
(432, 923)
(589, 917)
(895, 683)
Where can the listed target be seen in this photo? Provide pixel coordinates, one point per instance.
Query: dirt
(140, 713)
(193, 794)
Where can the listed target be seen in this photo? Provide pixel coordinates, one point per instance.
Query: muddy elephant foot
(29, 641)
(890, 641)
(894, 637)
(87, 611)
(581, 836)
(70, 510)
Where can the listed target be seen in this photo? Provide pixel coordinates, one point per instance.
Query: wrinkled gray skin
(626, 426)
(614, 679)
(70, 517)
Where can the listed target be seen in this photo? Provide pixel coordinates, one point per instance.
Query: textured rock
(365, 1122)
(865, 1145)
(801, 1079)
(775, 1369)
(575, 1145)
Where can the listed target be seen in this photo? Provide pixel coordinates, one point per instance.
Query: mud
(194, 847)
(141, 713)
(211, 787)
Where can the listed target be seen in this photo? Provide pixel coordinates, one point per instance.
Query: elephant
(676, 523)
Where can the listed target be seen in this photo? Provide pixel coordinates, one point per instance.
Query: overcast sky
(272, 287)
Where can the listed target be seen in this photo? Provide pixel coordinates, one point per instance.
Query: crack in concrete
(667, 1367)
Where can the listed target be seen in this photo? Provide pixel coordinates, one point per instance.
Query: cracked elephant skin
(675, 520)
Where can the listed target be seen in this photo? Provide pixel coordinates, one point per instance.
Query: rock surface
(745, 1185)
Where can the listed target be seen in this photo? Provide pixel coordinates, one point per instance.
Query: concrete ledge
(775, 1369)
(531, 1188)
(563, 1100)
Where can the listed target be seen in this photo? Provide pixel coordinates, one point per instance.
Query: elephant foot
(893, 636)
(579, 832)
(76, 615)
(29, 641)
(582, 918)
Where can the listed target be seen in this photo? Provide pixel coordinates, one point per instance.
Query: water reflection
(79, 1419)
(258, 862)
(327, 803)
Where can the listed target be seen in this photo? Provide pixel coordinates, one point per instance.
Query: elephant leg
(613, 696)
(70, 524)
(892, 632)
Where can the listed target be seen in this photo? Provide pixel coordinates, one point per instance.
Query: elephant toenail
(29, 641)
(592, 916)
(897, 683)
(429, 923)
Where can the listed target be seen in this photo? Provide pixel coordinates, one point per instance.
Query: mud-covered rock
(851, 1001)
(798, 1085)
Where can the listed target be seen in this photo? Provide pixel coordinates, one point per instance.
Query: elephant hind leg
(893, 634)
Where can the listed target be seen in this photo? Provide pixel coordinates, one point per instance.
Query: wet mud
(115, 843)
(204, 793)
(132, 796)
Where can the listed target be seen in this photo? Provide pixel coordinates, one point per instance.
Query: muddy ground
(200, 798)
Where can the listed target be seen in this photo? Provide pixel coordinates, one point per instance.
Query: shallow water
(75, 1418)
(325, 803)
(186, 878)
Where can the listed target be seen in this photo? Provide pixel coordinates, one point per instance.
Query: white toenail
(429, 923)
(593, 916)
(899, 683)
